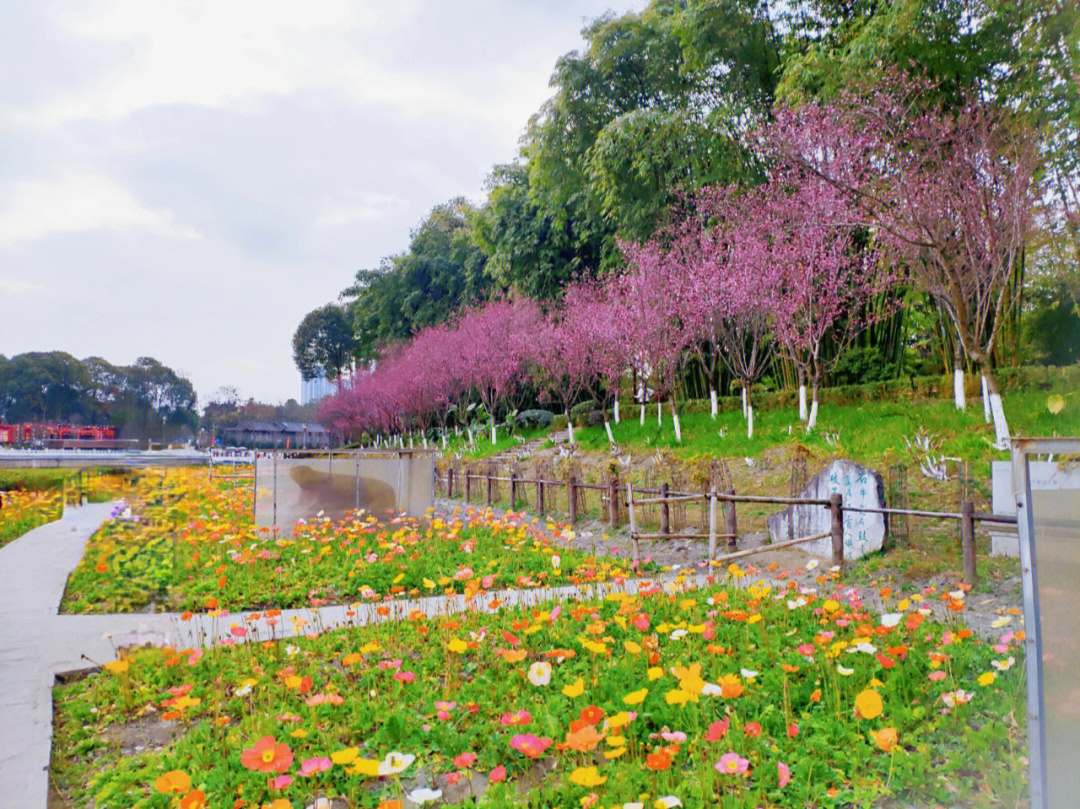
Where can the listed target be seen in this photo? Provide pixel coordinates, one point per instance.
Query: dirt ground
(996, 598)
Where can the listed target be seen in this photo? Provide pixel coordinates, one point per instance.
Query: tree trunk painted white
(675, 418)
(986, 400)
(444, 439)
(610, 436)
(616, 411)
(410, 440)
(712, 402)
(811, 422)
(750, 421)
(457, 430)
(958, 389)
(494, 433)
(744, 405)
(642, 414)
(1001, 426)
(659, 413)
(468, 429)
(569, 426)
(803, 415)
(425, 440)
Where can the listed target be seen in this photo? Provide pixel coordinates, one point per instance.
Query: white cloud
(217, 54)
(369, 208)
(17, 286)
(78, 201)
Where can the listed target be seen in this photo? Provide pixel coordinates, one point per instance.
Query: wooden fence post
(468, 485)
(450, 482)
(665, 513)
(967, 541)
(540, 496)
(836, 512)
(732, 528)
(613, 501)
(488, 473)
(633, 521)
(571, 494)
(513, 490)
(712, 524)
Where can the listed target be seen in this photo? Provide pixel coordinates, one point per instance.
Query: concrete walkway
(33, 573)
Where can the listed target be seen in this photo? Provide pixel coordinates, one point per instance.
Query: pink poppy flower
(313, 766)
(404, 676)
(936, 675)
(530, 745)
(732, 764)
(752, 729)
(280, 782)
(497, 775)
(784, 772)
(516, 718)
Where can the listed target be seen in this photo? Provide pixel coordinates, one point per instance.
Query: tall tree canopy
(323, 344)
(442, 270)
(661, 103)
(55, 386)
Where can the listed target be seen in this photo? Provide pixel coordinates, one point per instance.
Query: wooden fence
(668, 511)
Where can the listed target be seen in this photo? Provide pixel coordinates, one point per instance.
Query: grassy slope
(875, 434)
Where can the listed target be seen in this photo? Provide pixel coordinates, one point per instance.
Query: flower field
(734, 695)
(24, 510)
(186, 543)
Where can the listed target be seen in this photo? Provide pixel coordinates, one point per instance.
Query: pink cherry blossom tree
(495, 348)
(563, 357)
(652, 293)
(591, 311)
(951, 193)
(803, 230)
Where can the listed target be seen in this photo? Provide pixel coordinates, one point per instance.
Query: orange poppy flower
(173, 781)
(658, 761)
(267, 755)
(196, 799)
(582, 740)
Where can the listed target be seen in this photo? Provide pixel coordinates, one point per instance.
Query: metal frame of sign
(1022, 450)
(329, 453)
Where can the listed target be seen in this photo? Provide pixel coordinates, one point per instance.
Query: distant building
(292, 434)
(311, 390)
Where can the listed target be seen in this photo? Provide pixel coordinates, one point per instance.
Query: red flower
(752, 729)
(717, 730)
(591, 715)
(792, 730)
(885, 661)
(497, 775)
(266, 755)
(465, 759)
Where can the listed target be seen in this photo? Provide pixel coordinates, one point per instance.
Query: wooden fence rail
(616, 495)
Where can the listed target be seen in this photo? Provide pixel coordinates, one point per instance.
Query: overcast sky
(186, 180)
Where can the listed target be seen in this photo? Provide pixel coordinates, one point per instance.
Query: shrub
(580, 412)
(533, 419)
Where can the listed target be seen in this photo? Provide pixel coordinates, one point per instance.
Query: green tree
(323, 343)
(442, 269)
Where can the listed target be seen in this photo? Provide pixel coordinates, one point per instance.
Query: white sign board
(1045, 476)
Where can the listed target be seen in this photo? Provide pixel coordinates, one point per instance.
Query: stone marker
(860, 487)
